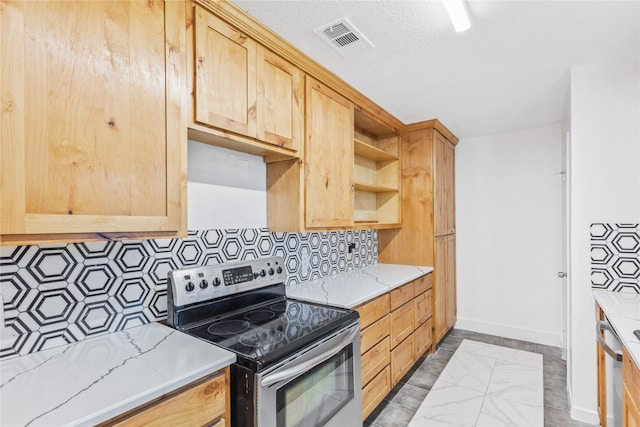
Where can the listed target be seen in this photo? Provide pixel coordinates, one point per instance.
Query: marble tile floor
(400, 406)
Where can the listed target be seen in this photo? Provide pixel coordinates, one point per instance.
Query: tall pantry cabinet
(428, 234)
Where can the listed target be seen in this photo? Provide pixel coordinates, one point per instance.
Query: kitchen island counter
(94, 380)
(350, 289)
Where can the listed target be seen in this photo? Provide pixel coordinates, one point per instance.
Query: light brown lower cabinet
(375, 360)
(374, 392)
(396, 330)
(401, 324)
(204, 402)
(630, 391)
(402, 359)
(423, 338)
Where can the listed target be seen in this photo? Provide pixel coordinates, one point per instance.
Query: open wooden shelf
(368, 151)
(361, 186)
(376, 173)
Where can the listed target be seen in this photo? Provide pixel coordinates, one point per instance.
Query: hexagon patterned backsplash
(56, 294)
(615, 257)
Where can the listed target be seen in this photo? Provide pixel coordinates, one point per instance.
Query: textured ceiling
(510, 71)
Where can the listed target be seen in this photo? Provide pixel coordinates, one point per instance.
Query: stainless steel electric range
(298, 363)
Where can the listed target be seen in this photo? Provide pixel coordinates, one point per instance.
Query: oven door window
(317, 395)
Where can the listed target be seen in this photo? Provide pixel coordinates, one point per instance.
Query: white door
(566, 237)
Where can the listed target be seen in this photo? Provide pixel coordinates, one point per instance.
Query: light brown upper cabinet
(427, 236)
(280, 101)
(328, 158)
(244, 94)
(93, 131)
(444, 187)
(225, 75)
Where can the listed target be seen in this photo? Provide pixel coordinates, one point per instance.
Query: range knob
(216, 281)
(203, 284)
(189, 287)
(263, 273)
(279, 270)
(256, 275)
(271, 272)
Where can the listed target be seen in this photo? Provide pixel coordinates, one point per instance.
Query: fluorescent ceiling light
(458, 14)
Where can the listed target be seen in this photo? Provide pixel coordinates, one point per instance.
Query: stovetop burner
(259, 315)
(228, 327)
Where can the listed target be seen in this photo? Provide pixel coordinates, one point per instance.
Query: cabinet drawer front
(373, 310)
(422, 339)
(200, 405)
(422, 284)
(401, 324)
(375, 360)
(374, 334)
(401, 360)
(401, 295)
(422, 308)
(374, 392)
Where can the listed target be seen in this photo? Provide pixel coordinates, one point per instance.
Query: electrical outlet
(352, 247)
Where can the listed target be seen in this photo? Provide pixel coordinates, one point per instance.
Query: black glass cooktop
(274, 330)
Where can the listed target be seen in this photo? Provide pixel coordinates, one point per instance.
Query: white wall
(605, 187)
(225, 189)
(509, 234)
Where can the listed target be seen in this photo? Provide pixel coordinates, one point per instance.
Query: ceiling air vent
(344, 37)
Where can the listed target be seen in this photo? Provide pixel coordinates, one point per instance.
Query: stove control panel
(197, 284)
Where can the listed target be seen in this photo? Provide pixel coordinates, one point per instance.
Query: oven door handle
(601, 326)
(308, 364)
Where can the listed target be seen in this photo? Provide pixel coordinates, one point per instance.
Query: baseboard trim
(531, 335)
(582, 414)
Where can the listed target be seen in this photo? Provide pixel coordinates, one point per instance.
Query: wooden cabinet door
(440, 287)
(401, 323)
(93, 136)
(630, 411)
(422, 308)
(444, 285)
(375, 392)
(374, 333)
(375, 360)
(450, 195)
(422, 340)
(328, 158)
(225, 75)
(631, 391)
(280, 101)
(402, 360)
(443, 186)
(451, 309)
(440, 149)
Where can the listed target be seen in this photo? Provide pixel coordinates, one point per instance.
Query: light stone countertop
(350, 289)
(91, 381)
(623, 312)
